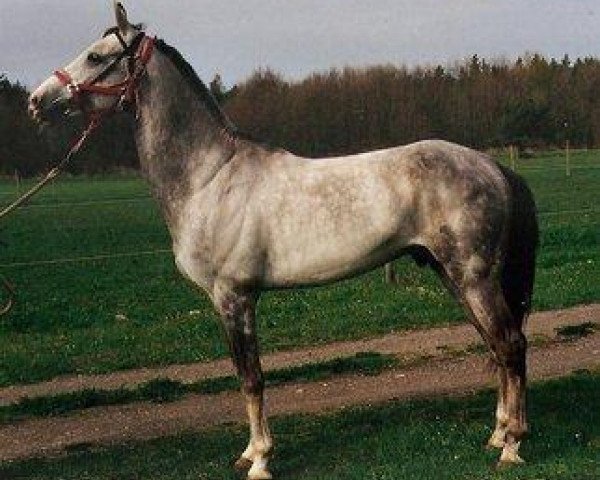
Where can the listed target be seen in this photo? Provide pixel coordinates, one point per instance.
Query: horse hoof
(242, 463)
(259, 471)
(509, 460)
(259, 475)
(504, 465)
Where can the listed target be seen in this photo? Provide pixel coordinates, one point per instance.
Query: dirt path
(110, 425)
(407, 345)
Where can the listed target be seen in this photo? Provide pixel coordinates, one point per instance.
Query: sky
(298, 37)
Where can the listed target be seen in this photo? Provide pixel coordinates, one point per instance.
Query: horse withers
(245, 218)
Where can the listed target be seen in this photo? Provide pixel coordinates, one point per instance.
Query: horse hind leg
(492, 317)
(498, 437)
(473, 283)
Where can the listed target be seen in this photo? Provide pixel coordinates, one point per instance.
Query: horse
(246, 218)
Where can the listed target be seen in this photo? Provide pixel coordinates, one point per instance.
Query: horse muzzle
(50, 111)
(51, 102)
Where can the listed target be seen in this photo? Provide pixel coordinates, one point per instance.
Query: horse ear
(121, 16)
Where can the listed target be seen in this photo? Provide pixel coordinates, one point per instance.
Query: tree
(22, 148)
(219, 91)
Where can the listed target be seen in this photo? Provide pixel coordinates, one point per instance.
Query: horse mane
(197, 85)
(188, 72)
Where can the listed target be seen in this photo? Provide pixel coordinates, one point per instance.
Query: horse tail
(518, 270)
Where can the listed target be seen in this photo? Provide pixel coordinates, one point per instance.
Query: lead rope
(51, 175)
(11, 296)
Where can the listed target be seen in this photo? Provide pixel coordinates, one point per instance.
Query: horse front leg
(238, 315)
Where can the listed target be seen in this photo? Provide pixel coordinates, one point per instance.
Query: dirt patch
(111, 425)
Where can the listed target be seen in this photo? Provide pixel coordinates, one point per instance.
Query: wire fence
(87, 258)
(87, 203)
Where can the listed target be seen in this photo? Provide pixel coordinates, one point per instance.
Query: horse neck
(181, 144)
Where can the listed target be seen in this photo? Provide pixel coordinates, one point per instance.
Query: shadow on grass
(163, 390)
(575, 332)
(424, 439)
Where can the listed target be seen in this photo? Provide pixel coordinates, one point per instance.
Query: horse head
(98, 80)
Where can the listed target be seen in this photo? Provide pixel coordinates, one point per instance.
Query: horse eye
(95, 58)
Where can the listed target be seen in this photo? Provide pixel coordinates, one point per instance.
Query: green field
(98, 291)
(440, 439)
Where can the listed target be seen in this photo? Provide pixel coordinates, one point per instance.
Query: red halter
(125, 90)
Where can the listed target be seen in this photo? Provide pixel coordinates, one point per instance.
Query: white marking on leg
(498, 438)
(260, 445)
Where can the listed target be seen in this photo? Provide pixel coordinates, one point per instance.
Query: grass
(165, 390)
(574, 332)
(95, 316)
(434, 439)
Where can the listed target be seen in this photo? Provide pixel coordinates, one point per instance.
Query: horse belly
(325, 246)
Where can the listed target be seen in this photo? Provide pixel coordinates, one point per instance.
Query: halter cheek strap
(125, 90)
(143, 55)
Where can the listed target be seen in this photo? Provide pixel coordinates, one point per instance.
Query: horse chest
(207, 244)
(192, 247)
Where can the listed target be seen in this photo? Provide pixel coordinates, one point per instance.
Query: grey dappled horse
(245, 218)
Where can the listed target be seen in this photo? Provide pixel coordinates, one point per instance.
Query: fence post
(511, 155)
(17, 181)
(567, 159)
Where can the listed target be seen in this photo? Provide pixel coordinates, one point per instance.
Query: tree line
(532, 102)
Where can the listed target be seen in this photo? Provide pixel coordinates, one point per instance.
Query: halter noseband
(139, 51)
